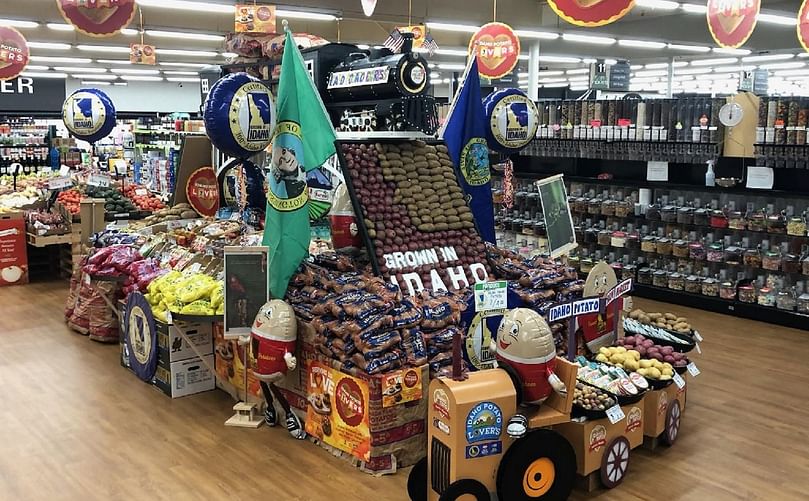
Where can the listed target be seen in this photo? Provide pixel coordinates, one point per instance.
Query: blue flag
(465, 137)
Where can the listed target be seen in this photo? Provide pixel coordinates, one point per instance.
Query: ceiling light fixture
(538, 35)
(216, 8)
(782, 66)
(18, 23)
(104, 48)
(120, 84)
(113, 61)
(693, 71)
(589, 39)
(692, 8)
(49, 45)
(300, 14)
(654, 73)
(32, 67)
(776, 19)
(768, 57)
(189, 53)
(85, 76)
(711, 62)
(611, 62)
(731, 51)
(185, 35)
(559, 59)
(578, 71)
(657, 4)
(553, 73)
(193, 73)
(74, 69)
(65, 60)
(61, 27)
(452, 67)
(190, 65)
(589, 60)
(556, 85)
(656, 66)
(461, 28)
(45, 74)
(452, 52)
(688, 48)
(91, 82)
(182, 79)
(127, 71)
(129, 32)
(142, 78)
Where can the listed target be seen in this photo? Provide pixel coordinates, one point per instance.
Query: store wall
(163, 97)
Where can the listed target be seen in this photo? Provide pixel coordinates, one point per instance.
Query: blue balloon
(239, 115)
(512, 120)
(89, 114)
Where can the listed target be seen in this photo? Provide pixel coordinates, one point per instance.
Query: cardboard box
(172, 347)
(185, 377)
(656, 408)
(13, 251)
(229, 361)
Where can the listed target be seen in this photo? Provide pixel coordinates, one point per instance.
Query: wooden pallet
(45, 241)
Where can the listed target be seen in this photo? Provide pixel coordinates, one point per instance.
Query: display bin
(662, 421)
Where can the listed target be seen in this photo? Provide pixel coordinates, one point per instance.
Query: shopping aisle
(75, 425)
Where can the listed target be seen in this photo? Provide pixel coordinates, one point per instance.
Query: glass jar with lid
(618, 239)
(579, 205)
(586, 265)
(737, 221)
(805, 265)
(710, 287)
(591, 236)
(668, 214)
(757, 222)
(574, 261)
(696, 251)
(733, 255)
(719, 219)
(645, 276)
(676, 281)
(701, 217)
(664, 246)
(594, 206)
(752, 257)
(716, 252)
(653, 213)
(747, 294)
(608, 208)
(771, 260)
(680, 248)
(604, 237)
(777, 224)
(628, 272)
(791, 264)
(766, 296)
(727, 290)
(685, 215)
(649, 243)
(693, 284)
(632, 241)
(660, 278)
(624, 208)
(803, 303)
(796, 227)
(785, 300)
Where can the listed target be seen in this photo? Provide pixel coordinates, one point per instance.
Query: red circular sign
(731, 22)
(97, 18)
(411, 378)
(202, 191)
(349, 402)
(13, 53)
(591, 13)
(803, 25)
(497, 48)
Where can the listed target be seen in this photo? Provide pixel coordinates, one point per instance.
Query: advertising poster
(142, 54)
(418, 31)
(400, 387)
(558, 222)
(497, 48)
(337, 412)
(13, 251)
(246, 288)
(255, 18)
(202, 191)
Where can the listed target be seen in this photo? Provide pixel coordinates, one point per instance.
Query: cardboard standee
(197, 151)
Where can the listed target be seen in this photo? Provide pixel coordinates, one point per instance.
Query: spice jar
(718, 219)
(757, 222)
(771, 260)
(791, 264)
(785, 300)
(680, 248)
(766, 296)
(632, 241)
(653, 213)
(608, 208)
(660, 278)
(648, 244)
(796, 227)
(693, 284)
(586, 265)
(685, 215)
(776, 224)
(752, 257)
(668, 214)
(727, 290)
(645, 276)
(664, 246)
(747, 294)
(629, 272)
(701, 217)
(580, 205)
(736, 221)
(696, 251)
(803, 303)
(604, 237)
(676, 281)
(733, 255)
(623, 209)
(715, 252)
(710, 287)
(574, 261)
(594, 206)
(618, 239)
(805, 265)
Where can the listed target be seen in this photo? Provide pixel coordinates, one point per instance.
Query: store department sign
(97, 18)
(731, 22)
(591, 13)
(497, 48)
(32, 94)
(803, 25)
(13, 53)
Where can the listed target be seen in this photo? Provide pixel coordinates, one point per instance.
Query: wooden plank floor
(75, 425)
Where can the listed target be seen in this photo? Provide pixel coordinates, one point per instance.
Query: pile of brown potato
(668, 321)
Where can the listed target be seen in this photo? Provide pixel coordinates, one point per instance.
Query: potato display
(179, 211)
(591, 398)
(668, 321)
(631, 361)
(648, 349)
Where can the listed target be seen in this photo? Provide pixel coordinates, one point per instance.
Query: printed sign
(58, 183)
(483, 450)
(97, 18)
(400, 387)
(491, 296)
(100, 180)
(497, 48)
(418, 31)
(246, 288)
(359, 78)
(803, 25)
(634, 419)
(444, 427)
(337, 412)
(13, 53)
(731, 22)
(202, 190)
(446, 256)
(615, 414)
(598, 438)
(255, 18)
(484, 423)
(620, 290)
(693, 370)
(679, 381)
(513, 120)
(441, 403)
(13, 251)
(142, 54)
(556, 211)
(591, 13)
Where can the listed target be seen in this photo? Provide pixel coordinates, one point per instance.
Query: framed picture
(246, 288)
(558, 222)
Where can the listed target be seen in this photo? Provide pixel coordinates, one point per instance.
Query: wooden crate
(44, 241)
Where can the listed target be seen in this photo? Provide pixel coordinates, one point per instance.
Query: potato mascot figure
(274, 336)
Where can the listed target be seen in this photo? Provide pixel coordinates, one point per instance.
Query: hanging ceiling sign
(142, 54)
(368, 7)
(497, 48)
(13, 53)
(591, 13)
(255, 18)
(803, 25)
(731, 22)
(202, 191)
(418, 32)
(97, 18)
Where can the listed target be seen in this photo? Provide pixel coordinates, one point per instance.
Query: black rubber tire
(615, 462)
(466, 486)
(417, 481)
(526, 451)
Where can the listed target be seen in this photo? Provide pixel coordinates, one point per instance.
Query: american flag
(395, 40)
(430, 44)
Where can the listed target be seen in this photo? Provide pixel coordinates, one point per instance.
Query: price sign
(100, 180)
(699, 350)
(491, 296)
(235, 216)
(58, 183)
(118, 166)
(693, 370)
(64, 170)
(195, 267)
(679, 381)
(698, 337)
(615, 414)
(45, 170)
(141, 192)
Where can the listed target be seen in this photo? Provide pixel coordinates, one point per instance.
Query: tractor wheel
(417, 481)
(615, 462)
(673, 417)
(465, 488)
(541, 466)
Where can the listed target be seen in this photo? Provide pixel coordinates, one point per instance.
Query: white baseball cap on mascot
(274, 333)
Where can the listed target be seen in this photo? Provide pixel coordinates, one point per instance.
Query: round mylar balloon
(89, 114)
(239, 115)
(512, 120)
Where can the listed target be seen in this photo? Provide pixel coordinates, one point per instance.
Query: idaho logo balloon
(512, 119)
(89, 114)
(239, 115)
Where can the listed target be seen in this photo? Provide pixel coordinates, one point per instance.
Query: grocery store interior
(509, 250)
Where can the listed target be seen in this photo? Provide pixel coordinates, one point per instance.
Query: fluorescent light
(90, 82)
(216, 8)
(556, 85)
(784, 73)
(551, 73)
(589, 60)
(656, 66)
(182, 79)
(128, 71)
(731, 51)
(185, 35)
(190, 53)
(775, 19)
(711, 62)
(445, 81)
(693, 71)
(104, 48)
(67, 60)
(582, 78)
(452, 52)
(688, 48)
(190, 65)
(610, 62)
(120, 84)
(452, 67)
(302, 14)
(768, 57)
(32, 67)
(92, 76)
(229, 55)
(728, 69)
(657, 4)
(193, 73)
(634, 67)
(641, 44)
(579, 88)
(578, 71)
(653, 73)
(72, 69)
(552, 80)
(113, 61)
(49, 45)
(61, 27)
(573, 37)
(539, 35)
(462, 28)
(18, 23)
(783, 66)
(692, 8)
(47, 74)
(679, 64)
(142, 78)
(433, 76)
(558, 59)
(129, 32)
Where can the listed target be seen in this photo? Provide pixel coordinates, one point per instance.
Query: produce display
(175, 213)
(680, 342)
(46, 222)
(185, 293)
(630, 360)
(668, 321)
(11, 201)
(647, 348)
(591, 398)
(71, 200)
(114, 201)
(142, 198)
(611, 378)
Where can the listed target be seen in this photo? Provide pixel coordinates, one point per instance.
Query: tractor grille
(440, 457)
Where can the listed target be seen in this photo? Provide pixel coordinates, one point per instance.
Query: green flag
(303, 140)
